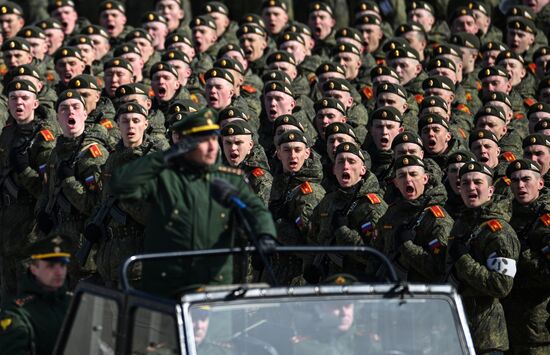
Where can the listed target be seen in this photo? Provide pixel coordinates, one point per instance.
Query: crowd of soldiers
(425, 138)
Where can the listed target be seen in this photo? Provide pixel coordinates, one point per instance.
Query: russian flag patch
(367, 227)
(42, 169)
(435, 246)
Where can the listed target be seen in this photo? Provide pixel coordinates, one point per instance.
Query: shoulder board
(464, 108)
(306, 188)
(437, 211)
(107, 123)
(506, 180)
(419, 98)
(194, 98)
(462, 133)
(3, 69)
(509, 156)
(367, 91)
(529, 101)
(469, 96)
(532, 67)
(100, 81)
(230, 170)
(20, 302)
(257, 172)
(374, 199)
(50, 76)
(519, 116)
(6, 322)
(381, 61)
(47, 135)
(545, 219)
(494, 225)
(311, 78)
(478, 85)
(202, 79)
(151, 93)
(94, 150)
(249, 89)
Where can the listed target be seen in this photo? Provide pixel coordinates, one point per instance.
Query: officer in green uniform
(521, 78)
(226, 29)
(26, 143)
(516, 121)
(414, 230)
(348, 215)
(525, 307)
(482, 257)
(184, 214)
(116, 226)
(30, 323)
(395, 95)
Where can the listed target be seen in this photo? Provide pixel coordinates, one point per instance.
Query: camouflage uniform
(256, 170)
(103, 115)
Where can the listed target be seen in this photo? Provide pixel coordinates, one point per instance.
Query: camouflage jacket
(104, 115)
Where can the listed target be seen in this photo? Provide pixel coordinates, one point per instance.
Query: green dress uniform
(184, 215)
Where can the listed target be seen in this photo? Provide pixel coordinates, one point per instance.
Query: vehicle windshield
(327, 326)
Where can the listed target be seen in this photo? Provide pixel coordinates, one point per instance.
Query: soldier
(469, 45)
(251, 80)
(328, 110)
(370, 27)
(112, 16)
(54, 34)
(144, 42)
(166, 87)
(423, 13)
(64, 11)
(205, 37)
(275, 15)
(157, 26)
(116, 226)
(335, 134)
(253, 40)
(68, 64)
(492, 118)
(482, 13)
(536, 147)
(520, 36)
(521, 79)
(16, 51)
(541, 57)
(73, 186)
(489, 52)
(414, 33)
(86, 47)
(395, 95)
(245, 96)
(326, 71)
(26, 143)
(176, 12)
(482, 256)
(226, 30)
(117, 71)
(514, 120)
(11, 19)
(406, 62)
(32, 321)
(181, 171)
(416, 244)
(437, 138)
(463, 19)
(39, 47)
(294, 195)
(132, 54)
(321, 21)
(348, 215)
(102, 46)
(525, 307)
(240, 151)
(496, 78)
(46, 96)
(454, 204)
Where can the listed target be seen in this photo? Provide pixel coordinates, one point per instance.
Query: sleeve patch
(494, 225)
(419, 98)
(367, 228)
(519, 116)
(529, 101)
(469, 96)
(367, 91)
(91, 182)
(437, 211)
(106, 123)
(509, 156)
(435, 246)
(505, 266)
(545, 219)
(95, 151)
(464, 108)
(249, 89)
(258, 172)
(6, 323)
(374, 199)
(47, 135)
(311, 78)
(306, 188)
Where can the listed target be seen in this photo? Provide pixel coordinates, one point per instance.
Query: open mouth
(272, 112)
(234, 156)
(71, 121)
(317, 31)
(432, 143)
(293, 164)
(484, 159)
(110, 28)
(409, 189)
(19, 110)
(472, 196)
(346, 177)
(130, 135)
(522, 193)
(212, 99)
(384, 141)
(64, 25)
(248, 52)
(162, 91)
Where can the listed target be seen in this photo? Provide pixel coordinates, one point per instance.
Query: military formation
(417, 128)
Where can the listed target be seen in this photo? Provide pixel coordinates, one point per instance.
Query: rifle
(95, 230)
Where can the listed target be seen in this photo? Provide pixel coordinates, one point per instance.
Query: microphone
(226, 194)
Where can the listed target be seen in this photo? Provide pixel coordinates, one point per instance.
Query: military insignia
(346, 147)
(257, 172)
(6, 323)
(107, 122)
(109, 5)
(509, 156)
(152, 18)
(419, 98)
(47, 135)
(367, 91)
(471, 167)
(90, 181)
(306, 188)
(437, 211)
(367, 227)
(435, 246)
(374, 199)
(249, 89)
(69, 94)
(18, 86)
(230, 130)
(340, 280)
(406, 161)
(95, 151)
(529, 101)
(545, 219)
(459, 158)
(494, 225)
(291, 136)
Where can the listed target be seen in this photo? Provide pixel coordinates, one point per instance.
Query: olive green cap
(395, 43)
(84, 81)
(381, 70)
(9, 7)
(232, 112)
(407, 137)
(219, 73)
(321, 6)
(414, 5)
(438, 82)
(67, 52)
(299, 28)
(536, 139)
(291, 137)
(493, 46)
(520, 11)
(68, 95)
(329, 102)
(118, 62)
(216, 6)
(339, 128)
(489, 110)
(230, 47)
(16, 43)
(278, 86)
(163, 66)
(496, 70)
(522, 164)
(337, 84)
(56, 4)
(461, 11)
(31, 32)
(200, 123)
(253, 19)
(405, 161)
(251, 29)
(175, 54)
(179, 109)
(237, 128)
(352, 148)
(465, 39)
(461, 156)
(447, 49)
(79, 40)
(481, 134)
(392, 89)
(112, 5)
(280, 56)
(475, 167)
(53, 248)
(408, 27)
(367, 20)
(25, 69)
(132, 107)
(542, 125)
(387, 113)
(405, 52)
(367, 5)
(177, 37)
(349, 32)
(345, 47)
(276, 75)
(138, 33)
(538, 107)
(433, 101)
(126, 48)
(288, 36)
(275, 3)
(508, 54)
(50, 24)
(132, 89)
(228, 63)
(287, 120)
(522, 24)
(95, 30)
(496, 96)
(330, 67)
(23, 85)
(432, 118)
(542, 51)
(152, 16)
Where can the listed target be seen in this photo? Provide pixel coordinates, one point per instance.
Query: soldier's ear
(363, 170)
(425, 178)
(490, 191)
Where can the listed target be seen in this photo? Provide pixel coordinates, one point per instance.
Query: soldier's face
(348, 169)
(519, 41)
(68, 68)
(88, 54)
(535, 5)
(292, 156)
(486, 151)
(493, 124)
(132, 128)
(351, 62)
(515, 70)
(16, 57)
(423, 17)
(67, 16)
(113, 21)
(206, 152)
(544, 95)
(11, 24)
(281, 130)
(173, 12)
(237, 148)
(39, 47)
(489, 58)
(275, 19)
(345, 313)
(91, 97)
(416, 41)
(334, 140)
(383, 132)
(295, 48)
(253, 46)
(526, 186)
(157, 30)
(185, 48)
(372, 35)
(321, 23)
(101, 46)
(539, 154)
(446, 95)
(51, 275)
(71, 115)
(115, 77)
(143, 100)
(465, 24)
(408, 149)
(236, 55)
(222, 22)
(277, 103)
(452, 176)
(164, 85)
(21, 105)
(411, 181)
(542, 65)
(388, 99)
(495, 83)
(55, 38)
(475, 189)
(534, 118)
(435, 138)
(146, 48)
(219, 93)
(204, 37)
(135, 60)
(343, 96)
(326, 116)
(288, 68)
(507, 109)
(406, 68)
(183, 69)
(200, 327)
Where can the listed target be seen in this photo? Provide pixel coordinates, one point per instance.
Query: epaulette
(506, 180)
(107, 123)
(194, 98)
(230, 170)
(545, 219)
(533, 68)
(151, 93)
(306, 188)
(464, 108)
(249, 89)
(367, 91)
(3, 69)
(509, 156)
(380, 61)
(478, 85)
(94, 150)
(519, 116)
(494, 225)
(20, 302)
(437, 211)
(50, 76)
(6, 322)
(257, 172)
(100, 81)
(374, 199)
(529, 101)
(202, 79)
(469, 96)
(462, 133)
(419, 98)
(47, 135)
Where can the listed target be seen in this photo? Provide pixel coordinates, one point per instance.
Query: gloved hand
(339, 219)
(457, 248)
(65, 170)
(19, 159)
(267, 244)
(185, 145)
